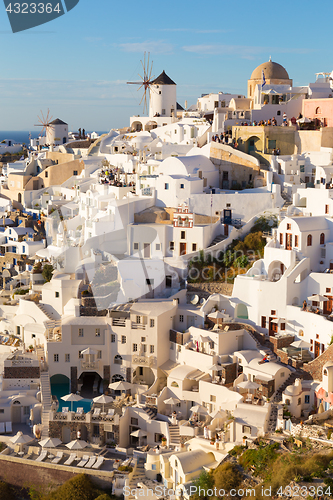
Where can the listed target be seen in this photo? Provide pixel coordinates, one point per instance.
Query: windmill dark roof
(163, 79)
(179, 107)
(57, 121)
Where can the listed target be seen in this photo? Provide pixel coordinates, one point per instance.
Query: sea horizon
(22, 136)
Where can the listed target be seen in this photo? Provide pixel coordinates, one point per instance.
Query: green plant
(47, 272)
(125, 468)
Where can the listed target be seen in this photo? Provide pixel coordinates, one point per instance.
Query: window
(134, 421)
(136, 246)
(318, 111)
(163, 111)
(26, 410)
(118, 360)
(172, 245)
(182, 186)
(97, 332)
(273, 313)
(287, 402)
(296, 240)
(194, 247)
(135, 347)
(158, 246)
(246, 429)
(138, 320)
(181, 318)
(299, 401)
(327, 209)
(143, 339)
(263, 321)
(212, 398)
(166, 185)
(182, 235)
(307, 399)
(328, 290)
(56, 358)
(152, 349)
(282, 374)
(152, 323)
(113, 337)
(46, 174)
(123, 339)
(149, 282)
(74, 172)
(57, 295)
(153, 466)
(278, 112)
(281, 239)
(288, 226)
(23, 249)
(80, 355)
(322, 239)
(67, 358)
(80, 332)
(309, 240)
(168, 282)
(99, 354)
(317, 334)
(282, 326)
(2, 410)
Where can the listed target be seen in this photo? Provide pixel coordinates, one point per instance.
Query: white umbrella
(318, 298)
(120, 386)
(89, 351)
(139, 434)
(103, 400)
(199, 409)
(247, 384)
(216, 315)
(215, 367)
(304, 120)
(218, 414)
(171, 401)
(71, 397)
(50, 442)
(301, 344)
(21, 438)
(77, 444)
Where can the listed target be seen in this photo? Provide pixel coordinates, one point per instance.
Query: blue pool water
(60, 390)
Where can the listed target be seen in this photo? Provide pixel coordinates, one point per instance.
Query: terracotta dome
(272, 71)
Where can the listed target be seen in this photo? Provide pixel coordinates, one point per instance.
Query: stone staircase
(46, 402)
(174, 434)
(138, 476)
(277, 396)
(272, 418)
(151, 412)
(262, 346)
(43, 309)
(217, 240)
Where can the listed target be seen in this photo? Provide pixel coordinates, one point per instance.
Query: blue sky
(78, 65)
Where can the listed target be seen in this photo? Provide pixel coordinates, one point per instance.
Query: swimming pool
(60, 390)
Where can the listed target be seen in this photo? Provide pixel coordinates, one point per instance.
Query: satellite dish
(202, 301)
(194, 299)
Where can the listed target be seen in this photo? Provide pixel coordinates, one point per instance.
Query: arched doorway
(143, 375)
(60, 386)
(241, 311)
(91, 384)
(275, 270)
(252, 144)
(84, 432)
(136, 126)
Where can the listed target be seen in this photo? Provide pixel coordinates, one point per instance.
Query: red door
(182, 248)
(273, 328)
(317, 349)
(328, 305)
(289, 241)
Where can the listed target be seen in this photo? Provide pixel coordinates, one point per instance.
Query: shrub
(79, 487)
(125, 468)
(104, 496)
(47, 272)
(6, 493)
(227, 477)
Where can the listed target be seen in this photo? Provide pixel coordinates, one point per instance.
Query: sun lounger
(30, 453)
(97, 412)
(84, 460)
(2, 427)
(99, 462)
(42, 456)
(72, 457)
(79, 411)
(9, 427)
(58, 457)
(90, 462)
(65, 409)
(110, 413)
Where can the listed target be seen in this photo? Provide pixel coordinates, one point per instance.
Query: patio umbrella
(247, 384)
(171, 401)
(120, 386)
(216, 315)
(71, 397)
(304, 120)
(77, 444)
(21, 438)
(89, 351)
(199, 409)
(301, 344)
(318, 298)
(50, 442)
(103, 399)
(139, 434)
(219, 414)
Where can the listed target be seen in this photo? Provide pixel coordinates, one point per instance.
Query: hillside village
(166, 289)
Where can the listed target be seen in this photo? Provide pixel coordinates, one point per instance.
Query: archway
(275, 270)
(117, 378)
(84, 432)
(252, 144)
(241, 311)
(60, 386)
(136, 126)
(91, 384)
(143, 375)
(150, 125)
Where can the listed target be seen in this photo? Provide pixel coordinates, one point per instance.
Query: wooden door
(182, 248)
(317, 349)
(289, 241)
(146, 250)
(273, 328)
(328, 306)
(16, 414)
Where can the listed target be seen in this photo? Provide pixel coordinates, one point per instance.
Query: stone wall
(315, 367)
(22, 372)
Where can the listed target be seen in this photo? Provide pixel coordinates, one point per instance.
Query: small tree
(47, 272)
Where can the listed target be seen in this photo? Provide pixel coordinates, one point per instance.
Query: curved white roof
(193, 460)
(310, 223)
(292, 390)
(186, 165)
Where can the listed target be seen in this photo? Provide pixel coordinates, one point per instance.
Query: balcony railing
(143, 360)
(90, 365)
(232, 222)
(119, 322)
(138, 326)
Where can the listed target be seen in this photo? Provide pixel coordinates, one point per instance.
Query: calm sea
(22, 137)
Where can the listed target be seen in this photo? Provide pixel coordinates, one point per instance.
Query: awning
(196, 375)
(168, 366)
